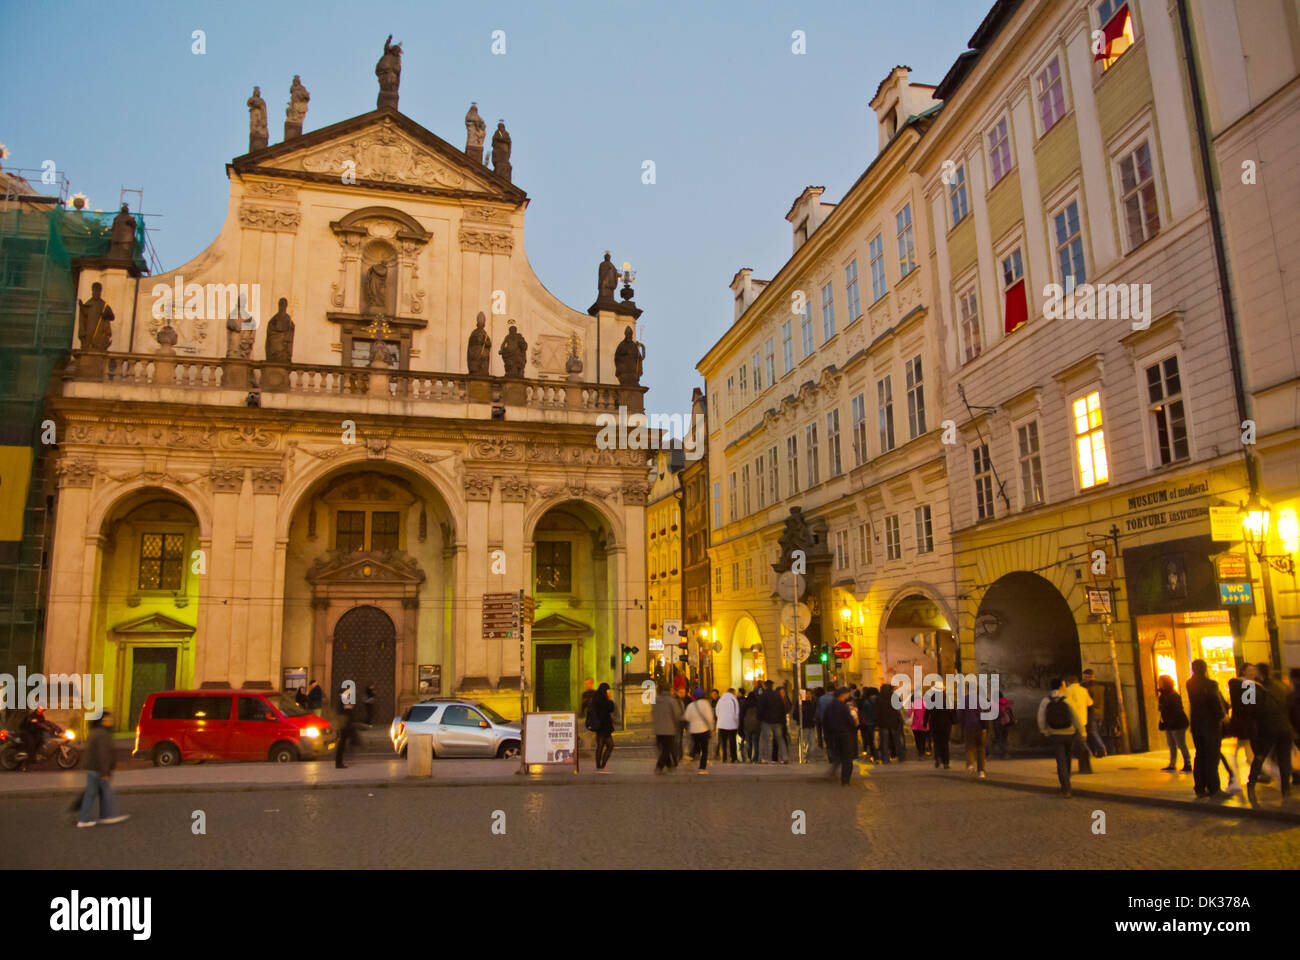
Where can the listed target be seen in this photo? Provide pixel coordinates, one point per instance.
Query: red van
(178, 725)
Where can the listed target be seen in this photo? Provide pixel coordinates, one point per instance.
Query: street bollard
(419, 755)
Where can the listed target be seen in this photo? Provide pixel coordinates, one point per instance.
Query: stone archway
(365, 651)
(1026, 634)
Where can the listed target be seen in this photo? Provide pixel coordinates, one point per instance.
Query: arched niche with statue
(377, 296)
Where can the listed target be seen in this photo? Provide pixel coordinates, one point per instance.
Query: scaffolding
(39, 241)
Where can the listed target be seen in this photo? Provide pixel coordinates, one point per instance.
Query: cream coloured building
(823, 396)
(224, 519)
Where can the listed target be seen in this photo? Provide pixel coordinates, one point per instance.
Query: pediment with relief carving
(386, 154)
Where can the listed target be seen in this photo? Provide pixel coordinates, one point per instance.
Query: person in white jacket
(728, 716)
(700, 722)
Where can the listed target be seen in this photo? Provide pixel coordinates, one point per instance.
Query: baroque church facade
(367, 414)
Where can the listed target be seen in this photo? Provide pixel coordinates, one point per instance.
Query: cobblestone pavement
(906, 821)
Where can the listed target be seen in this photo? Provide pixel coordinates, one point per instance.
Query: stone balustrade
(314, 380)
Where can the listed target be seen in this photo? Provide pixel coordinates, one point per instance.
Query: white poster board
(551, 738)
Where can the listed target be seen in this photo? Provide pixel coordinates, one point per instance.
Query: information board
(551, 738)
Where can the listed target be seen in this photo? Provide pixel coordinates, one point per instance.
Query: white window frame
(1149, 432)
(731, 497)
(773, 476)
(760, 479)
(1063, 79)
(806, 330)
(717, 505)
(858, 411)
(1022, 460)
(907, 262)
(812, 451)
(1075, 198)
(787, 345)
(1082, 393)
(834, 463)
(968, 325)
(769, 357)
(923, 519)
(958, 197)
(885, 413)
(876, 255)
(1122, 147)
(893, 538)
(828, 310)
(745, 495)
(1002, 122)
(792, 463)
(1008, 250)
(864, 544)
(914, 383)
(982, 483)
(841, 549)
(852, 291)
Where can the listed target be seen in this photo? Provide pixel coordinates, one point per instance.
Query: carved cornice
(135, 434)
(484, 241)
(496, 449)
(249, 437)
(261, 217)
(75, 472)
(271, 190)
(586, 455)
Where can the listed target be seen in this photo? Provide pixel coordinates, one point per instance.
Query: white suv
(460, 728)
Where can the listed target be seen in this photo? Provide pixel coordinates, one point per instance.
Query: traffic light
(628, 653)
(823, 655)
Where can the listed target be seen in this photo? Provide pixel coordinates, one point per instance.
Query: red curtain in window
(1113, 30)
(1016, 309)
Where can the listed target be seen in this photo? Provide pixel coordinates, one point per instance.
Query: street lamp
(1254, 525)
(1255, 521)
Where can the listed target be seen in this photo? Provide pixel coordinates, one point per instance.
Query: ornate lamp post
(1255, 521)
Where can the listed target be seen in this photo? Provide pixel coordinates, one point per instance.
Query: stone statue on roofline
(279, 335)
(501, 151)
(475, 131)
(296, 111)
(122, 236)
(389, 72)
(606, 280)
(258, 136)
(95, 321)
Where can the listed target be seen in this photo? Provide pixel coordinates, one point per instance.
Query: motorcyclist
(36, 730)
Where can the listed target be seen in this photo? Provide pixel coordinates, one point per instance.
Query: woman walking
(699, 719)
(1173, 721)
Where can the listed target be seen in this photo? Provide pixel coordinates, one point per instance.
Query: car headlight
(311, 731)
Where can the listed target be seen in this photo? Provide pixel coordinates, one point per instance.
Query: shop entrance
(1168, 643)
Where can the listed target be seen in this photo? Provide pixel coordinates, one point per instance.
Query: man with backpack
(1060, 724)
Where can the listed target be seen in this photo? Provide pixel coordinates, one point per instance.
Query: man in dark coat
(841, 735)
(1275, 734)
(100, 761)
(1207, 729)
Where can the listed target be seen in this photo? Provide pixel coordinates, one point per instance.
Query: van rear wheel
(166, 755)
(283, 753)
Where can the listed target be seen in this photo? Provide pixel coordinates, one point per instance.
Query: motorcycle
(14, 751)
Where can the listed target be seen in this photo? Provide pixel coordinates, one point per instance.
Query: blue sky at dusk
(736, 123)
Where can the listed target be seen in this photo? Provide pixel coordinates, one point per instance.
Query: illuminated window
(1090, 441)
(1116, 33)
(161, 558)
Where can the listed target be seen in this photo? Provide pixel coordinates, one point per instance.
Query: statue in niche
(501, 151)
(122, 236)
(514, 353)
(606, 280)
(279, 335)
(375, 289)
(382, 355)
(478, 355)
(628, 360)
(475, 132)
(258, 136)
(95, 323)
(240, 332)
